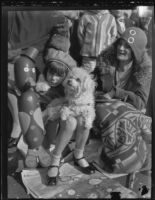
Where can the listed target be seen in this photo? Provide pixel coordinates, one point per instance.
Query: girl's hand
(56, 102)
(30, 81)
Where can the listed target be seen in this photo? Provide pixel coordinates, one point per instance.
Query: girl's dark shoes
(51, 181)
(86, 170)
(12, 142)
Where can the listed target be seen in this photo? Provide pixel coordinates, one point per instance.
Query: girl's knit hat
(54, 55)
(137, 40)
(60, 42)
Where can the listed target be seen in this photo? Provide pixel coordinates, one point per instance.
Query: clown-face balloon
(25, 72)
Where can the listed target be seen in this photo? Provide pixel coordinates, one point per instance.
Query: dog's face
(77, 82)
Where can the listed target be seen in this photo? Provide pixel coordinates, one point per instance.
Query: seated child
(76, 113)
(49, 86)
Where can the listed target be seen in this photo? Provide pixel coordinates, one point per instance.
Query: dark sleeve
(51, 94)
(149, 107)
(139, 93)
(134, 98)
(75, 52)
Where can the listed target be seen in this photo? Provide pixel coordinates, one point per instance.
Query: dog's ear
(88, 84)
(65, 80)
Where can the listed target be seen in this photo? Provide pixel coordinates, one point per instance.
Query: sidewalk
(16, 189)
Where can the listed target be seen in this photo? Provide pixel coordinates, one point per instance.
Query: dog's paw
(65, 113)
(51, 113)
(42, 87)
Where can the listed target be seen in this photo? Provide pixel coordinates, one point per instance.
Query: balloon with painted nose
(25, 68)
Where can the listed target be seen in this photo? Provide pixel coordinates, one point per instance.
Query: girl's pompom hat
(64, 58)
(137, 40)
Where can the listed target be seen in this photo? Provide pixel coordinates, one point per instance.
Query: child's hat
(54, 55)
(60, 42)
(137, 40)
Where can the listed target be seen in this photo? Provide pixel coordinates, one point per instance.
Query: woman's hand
(104, 96)
(107, 96)
(111, 94)
(56, 102)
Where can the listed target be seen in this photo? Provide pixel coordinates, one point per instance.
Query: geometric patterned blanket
(124, 131)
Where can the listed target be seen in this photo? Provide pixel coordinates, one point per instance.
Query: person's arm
(113, 31)
(138, 96)
(80, 30)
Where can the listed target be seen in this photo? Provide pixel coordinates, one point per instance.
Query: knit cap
(54, 55)
(137, 40)
(60, 42)
(60, 39)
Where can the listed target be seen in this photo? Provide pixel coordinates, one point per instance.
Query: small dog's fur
(78, 101)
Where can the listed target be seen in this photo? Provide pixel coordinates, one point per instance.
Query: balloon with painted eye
(30, 117)
(25, 68)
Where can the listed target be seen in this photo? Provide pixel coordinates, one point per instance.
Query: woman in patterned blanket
(125, 73)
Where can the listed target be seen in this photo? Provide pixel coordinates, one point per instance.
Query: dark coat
(31, 28)
(137, 89)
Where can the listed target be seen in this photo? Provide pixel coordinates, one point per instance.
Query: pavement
(16, 189)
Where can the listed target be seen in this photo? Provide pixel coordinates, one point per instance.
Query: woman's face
(54, 79)
(124, 52)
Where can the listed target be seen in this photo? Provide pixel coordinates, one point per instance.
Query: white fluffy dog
(78, 101)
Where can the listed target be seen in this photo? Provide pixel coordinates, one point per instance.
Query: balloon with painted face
(25, 72)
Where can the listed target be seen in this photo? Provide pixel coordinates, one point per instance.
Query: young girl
(49, 86)
(76, 114)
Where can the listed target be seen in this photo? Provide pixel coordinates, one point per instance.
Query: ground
(16, 189)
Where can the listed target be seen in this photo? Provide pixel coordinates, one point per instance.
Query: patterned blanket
(125, 132)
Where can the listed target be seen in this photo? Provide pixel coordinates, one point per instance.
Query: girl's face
(54, 79)
(124, 52)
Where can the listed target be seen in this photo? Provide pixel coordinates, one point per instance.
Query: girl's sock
(16, 130)
(78, 153)
(53, 171)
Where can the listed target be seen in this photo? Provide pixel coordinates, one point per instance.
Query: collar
(125, 68)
